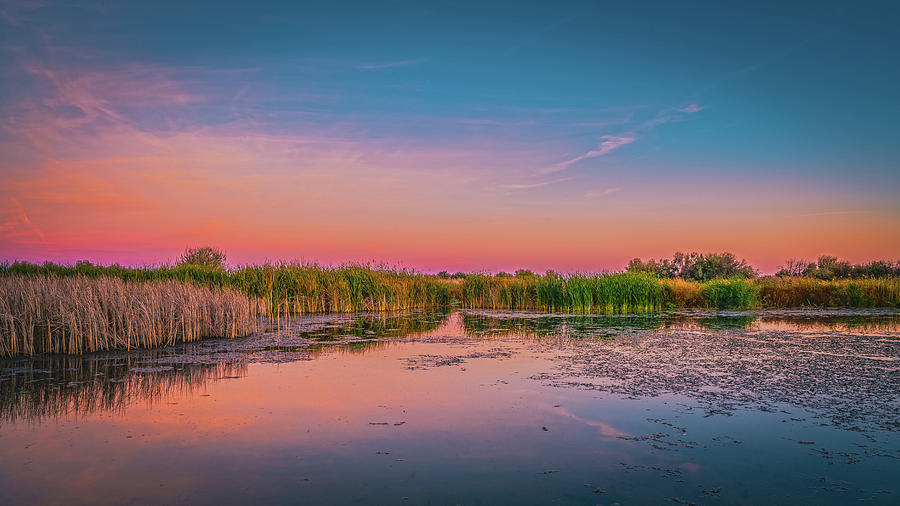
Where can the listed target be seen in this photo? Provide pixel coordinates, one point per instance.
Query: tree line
(707, 266)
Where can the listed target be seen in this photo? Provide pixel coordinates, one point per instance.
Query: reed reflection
(55, 387)
(487, 323)
(50, 387)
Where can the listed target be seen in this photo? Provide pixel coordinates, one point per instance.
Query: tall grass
(807, 292)
(603, 293)
(734, 293)
(291, 289)
(297, 289)
(636, 292)
(50, 314)
(283, 288)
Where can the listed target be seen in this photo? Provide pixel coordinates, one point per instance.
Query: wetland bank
(470, 406)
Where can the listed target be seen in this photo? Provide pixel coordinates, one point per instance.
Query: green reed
(602, 293)
(290, 289)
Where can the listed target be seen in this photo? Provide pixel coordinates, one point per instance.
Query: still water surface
(472, 407)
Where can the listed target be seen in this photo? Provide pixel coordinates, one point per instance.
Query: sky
(449, 135)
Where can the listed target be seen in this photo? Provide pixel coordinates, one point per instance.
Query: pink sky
(109, 164)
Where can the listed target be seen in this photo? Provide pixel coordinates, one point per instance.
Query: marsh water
(470, 407)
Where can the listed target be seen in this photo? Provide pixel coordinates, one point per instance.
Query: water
(471, 407)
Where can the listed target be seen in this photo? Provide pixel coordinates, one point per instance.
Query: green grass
(281, 289)
(731, 294)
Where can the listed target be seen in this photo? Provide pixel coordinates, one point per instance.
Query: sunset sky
(449, 135)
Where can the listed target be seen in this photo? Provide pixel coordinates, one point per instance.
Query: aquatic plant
(620, 292)
(779, 291)
(281, 290)
(735, 293)
(71, 315)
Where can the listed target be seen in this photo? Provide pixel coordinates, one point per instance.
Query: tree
(695, 266)
(795, 267)
(205, 256)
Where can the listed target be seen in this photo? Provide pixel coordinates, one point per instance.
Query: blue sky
(730, 108)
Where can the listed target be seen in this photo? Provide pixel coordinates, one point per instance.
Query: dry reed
(71, 315)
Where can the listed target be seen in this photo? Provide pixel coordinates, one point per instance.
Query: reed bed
(72, 315)
(299, 289)
(624, 292)
(636, 292)
(282, 289)
(807, 292)
(84, 307)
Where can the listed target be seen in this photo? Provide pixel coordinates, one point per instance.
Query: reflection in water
(39, 388)
(342, 327)
(49, 387)
(579, 326)
(470, 407)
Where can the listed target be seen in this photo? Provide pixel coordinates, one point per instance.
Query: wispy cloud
(16, 226)
(691, 109)
(392, 64)
(530, 186)
(672, 116)
(609, 144)
(106, 93)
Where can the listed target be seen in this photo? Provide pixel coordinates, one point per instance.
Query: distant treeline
(828, 267)
(707, 266)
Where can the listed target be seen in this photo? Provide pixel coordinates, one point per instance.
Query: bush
(205, 256)
(695, 266)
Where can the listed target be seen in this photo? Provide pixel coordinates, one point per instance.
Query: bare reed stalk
(71, 315)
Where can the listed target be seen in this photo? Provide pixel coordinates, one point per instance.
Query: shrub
(205, 256)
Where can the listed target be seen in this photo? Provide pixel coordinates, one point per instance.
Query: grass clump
(735, 293)
(779, 291)
(601, 293)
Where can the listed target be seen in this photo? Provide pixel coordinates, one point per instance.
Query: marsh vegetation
(51, 314)
(85, 307)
